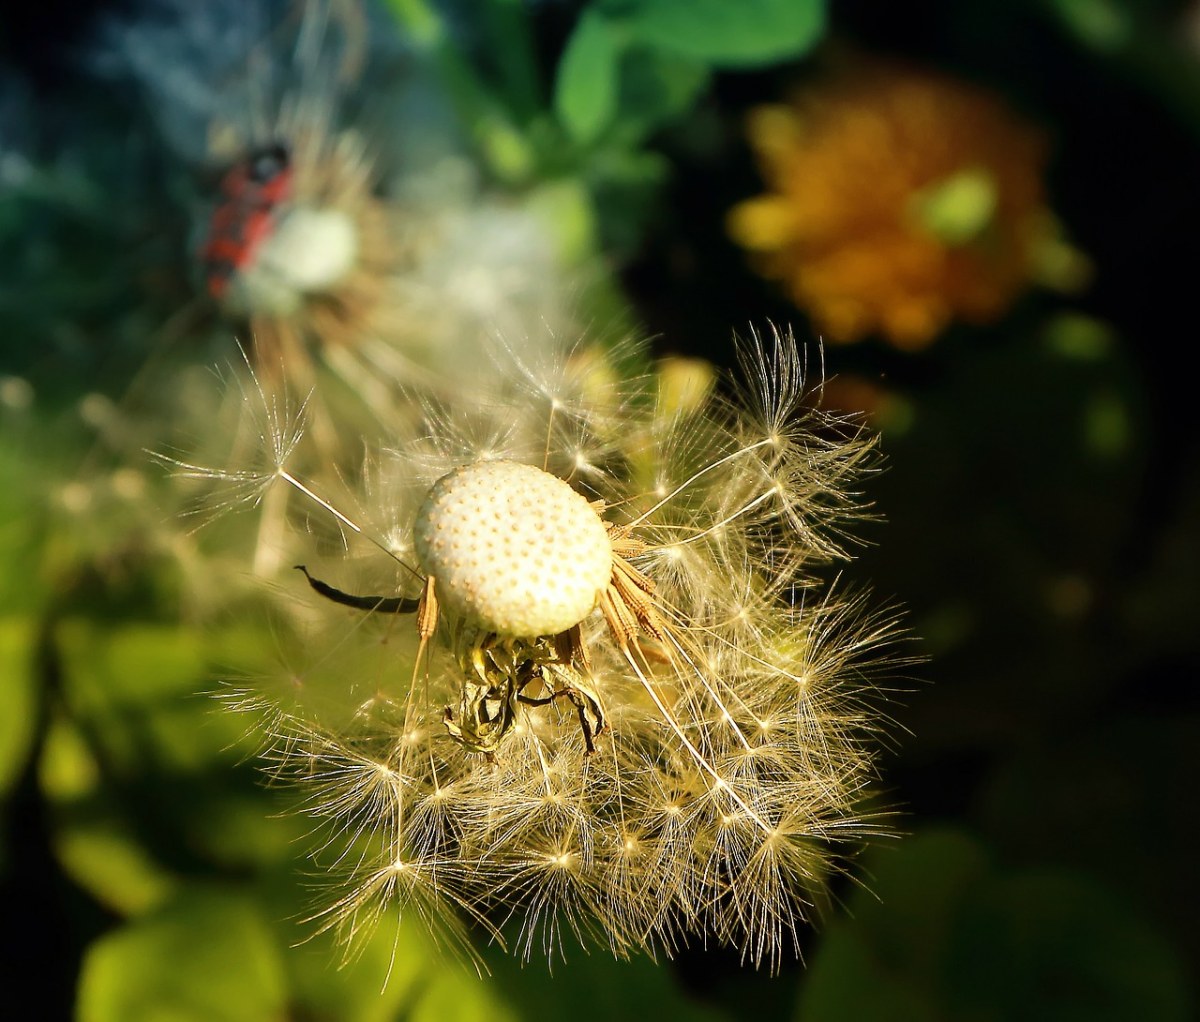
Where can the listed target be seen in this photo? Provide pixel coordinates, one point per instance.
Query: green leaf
(142, 682)
(596, 987)
(655, 88)
(850, 984)
(882, 959)
(94, 843)
(585, 94)
(388, 974)
(956, 210)
(1070, 950)
(104, 859)
(1038, 812)
(746, 33)
(24, 458)
(1102, 24)
(16, 697)
(207, 956)
(946, 934)
(565, 208)
(458, 998)
(133, 663)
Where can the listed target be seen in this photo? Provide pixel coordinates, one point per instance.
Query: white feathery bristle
(513, 549)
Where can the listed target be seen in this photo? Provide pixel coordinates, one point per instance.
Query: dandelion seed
(595, 725)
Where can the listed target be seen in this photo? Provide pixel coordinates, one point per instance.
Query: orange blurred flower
(899, 200)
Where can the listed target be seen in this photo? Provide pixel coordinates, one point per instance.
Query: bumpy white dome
(513, 549)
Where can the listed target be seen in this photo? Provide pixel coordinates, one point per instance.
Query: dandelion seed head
(513, 549)
(648, 727)
(397, 543)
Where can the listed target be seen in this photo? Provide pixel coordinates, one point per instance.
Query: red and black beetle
(251, 194)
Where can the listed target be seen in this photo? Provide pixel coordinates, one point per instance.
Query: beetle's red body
(251, 194)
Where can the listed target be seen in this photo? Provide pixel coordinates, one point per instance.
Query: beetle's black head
(269, 162)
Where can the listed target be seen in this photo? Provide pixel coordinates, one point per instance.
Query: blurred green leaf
(881, 962)
(249, 827)
(141, 767)
(207, 956)
(382, 982)
(593, 988)
(67, 769)
(655, 88)
(1161, 607)
(585, 94)
(1044, 491)
(456, 998)
(1103, 24)
(745, 34)
(133, 663)
(420, 20)
(22, 516)
(1072, 335)
(626, 184)
(1054, 946)
(944, 934)
(147, 682)
(847, 984)
(958, 209)
(1098, 800)
(565, 208)
(107, 862)
(93, 845)
(1107, 429)
(17, 716)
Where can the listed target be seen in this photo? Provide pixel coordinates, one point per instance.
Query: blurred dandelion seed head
(337, 230)
(303, 251)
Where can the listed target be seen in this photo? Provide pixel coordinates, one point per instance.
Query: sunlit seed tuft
(689, 759)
